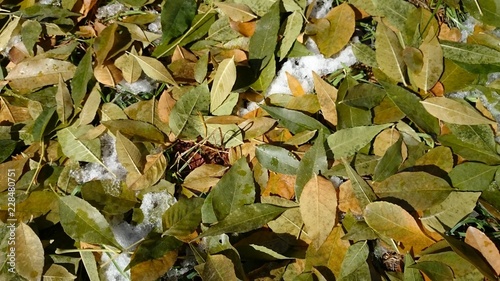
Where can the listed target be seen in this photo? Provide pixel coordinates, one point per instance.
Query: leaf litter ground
(250, 140)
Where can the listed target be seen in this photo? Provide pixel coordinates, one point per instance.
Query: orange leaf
(347, 199)
(280, 184)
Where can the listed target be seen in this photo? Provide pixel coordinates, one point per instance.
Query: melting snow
(153, 205)
(95, 171)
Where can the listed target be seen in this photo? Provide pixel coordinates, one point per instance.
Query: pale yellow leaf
(327, 96)
(483, 244)
(452, 111)
(318, 207)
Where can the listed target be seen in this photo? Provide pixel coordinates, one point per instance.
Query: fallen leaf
(318, 206)
(483, 244)
(393, 221)
(455, 112)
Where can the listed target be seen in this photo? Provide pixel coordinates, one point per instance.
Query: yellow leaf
(455, 112)
(327, 95)
(223, 83)
(432, 67)
(153, 170)
(318, 207)
(155, 69)
(294, 85)
(29, 253)
(389, 53)
(236, 11)
(392, 221)
(334, 35)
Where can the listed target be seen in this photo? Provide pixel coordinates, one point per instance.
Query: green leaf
(42, 122)
(435, 270)
(277, 159)
(365, 54)
(389, 53)
(395, 11)
(470, 53)
(264, 40)
(218, 268)
(486, 11)
(89, 261)
(354, 258)
(155, 69)
(364, 96)
(471, 255)
(470, 151)
(347, 142)
(409, 104)
(176, 17)
(200, 25)
(452, 111)
(8, 146)
(154, 247)
(421, 190)
(236, 11)
(462, 269)
(30, 32)
(244, 219)
(223, 83)
(266, 76)
(83, 74)
(84, 223)
(98, 194)
(452, 210)
(348, 116)
(362, 190)
(455, 78)
(64, 103)
(184, 119)
(294, 121)
(292, 28)
(472, 176)
(390, 162)
(481, 136)
(183, 217)
(221, 31)
(313, 162)
(139, 130)
(79, 150)
(411, 274)
(235, 189)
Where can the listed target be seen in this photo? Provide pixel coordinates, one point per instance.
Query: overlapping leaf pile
(378, 174)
